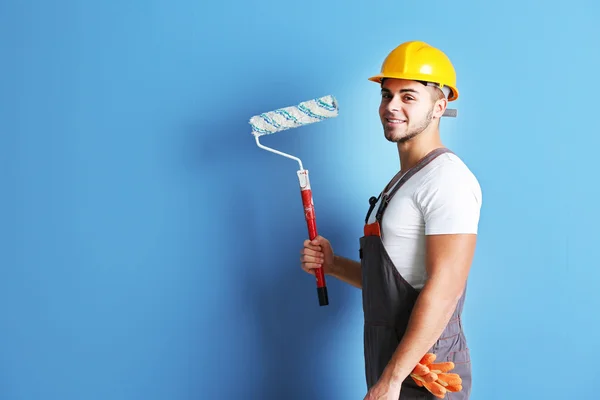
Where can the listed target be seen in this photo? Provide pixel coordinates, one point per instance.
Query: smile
(395, 121)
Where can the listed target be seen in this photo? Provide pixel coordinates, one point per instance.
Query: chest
(402, 216)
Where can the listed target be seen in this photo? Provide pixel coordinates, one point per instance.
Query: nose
(393, 104)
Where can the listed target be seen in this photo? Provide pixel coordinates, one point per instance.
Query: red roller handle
(311, 224)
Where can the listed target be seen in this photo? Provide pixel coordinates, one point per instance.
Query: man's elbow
(446, 290)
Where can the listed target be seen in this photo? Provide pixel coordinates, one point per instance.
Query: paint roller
(307, 112)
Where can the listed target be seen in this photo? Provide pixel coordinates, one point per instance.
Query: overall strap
(372, 202)
(385, 198)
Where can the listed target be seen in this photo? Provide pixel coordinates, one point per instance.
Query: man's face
(406, 109)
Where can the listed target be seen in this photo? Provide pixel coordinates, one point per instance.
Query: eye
(409, 98)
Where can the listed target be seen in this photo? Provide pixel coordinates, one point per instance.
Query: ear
(440, 107)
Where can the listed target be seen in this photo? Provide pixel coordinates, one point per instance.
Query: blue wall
(151, 251)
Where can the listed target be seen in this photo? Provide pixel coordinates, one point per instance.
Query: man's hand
(317, 253)
(384, 389)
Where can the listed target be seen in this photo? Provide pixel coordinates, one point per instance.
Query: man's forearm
(429, 317)
(347, 270)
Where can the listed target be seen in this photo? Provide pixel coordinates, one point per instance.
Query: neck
(412, 151)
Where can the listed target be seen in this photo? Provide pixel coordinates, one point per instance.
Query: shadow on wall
(265, 336)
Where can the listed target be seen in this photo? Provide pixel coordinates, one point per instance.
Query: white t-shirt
(442, 198)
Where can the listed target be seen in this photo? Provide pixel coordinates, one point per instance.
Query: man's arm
(448, 262)
(347, 271)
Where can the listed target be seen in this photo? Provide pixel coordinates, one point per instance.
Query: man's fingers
(312, 245)
(307, 270)
(312, 256)
(310, 267)
(318, 259)
(311, 253)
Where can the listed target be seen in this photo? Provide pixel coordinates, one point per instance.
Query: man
(420, 234)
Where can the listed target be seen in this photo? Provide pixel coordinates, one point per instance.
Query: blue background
(150, 250)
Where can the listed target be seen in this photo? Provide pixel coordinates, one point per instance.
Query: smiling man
(419, 236)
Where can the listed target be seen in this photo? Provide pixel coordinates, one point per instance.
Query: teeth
(394, 120)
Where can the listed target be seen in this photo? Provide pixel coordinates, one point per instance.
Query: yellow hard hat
(416, 60)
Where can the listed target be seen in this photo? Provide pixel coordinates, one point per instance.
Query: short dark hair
(438, 94)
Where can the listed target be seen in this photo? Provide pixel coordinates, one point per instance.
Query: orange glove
(435, 377)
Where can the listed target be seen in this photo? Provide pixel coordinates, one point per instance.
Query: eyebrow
(401, 91)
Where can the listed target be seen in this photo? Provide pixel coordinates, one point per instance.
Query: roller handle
(311, 224)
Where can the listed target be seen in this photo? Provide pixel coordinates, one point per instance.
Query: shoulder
(446, 175)
(449, 196)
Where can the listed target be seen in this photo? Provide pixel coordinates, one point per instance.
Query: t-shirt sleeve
(450, 200)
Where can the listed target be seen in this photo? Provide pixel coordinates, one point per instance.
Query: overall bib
(388, 300)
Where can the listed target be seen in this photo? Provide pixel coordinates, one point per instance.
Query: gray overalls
(388, 300)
